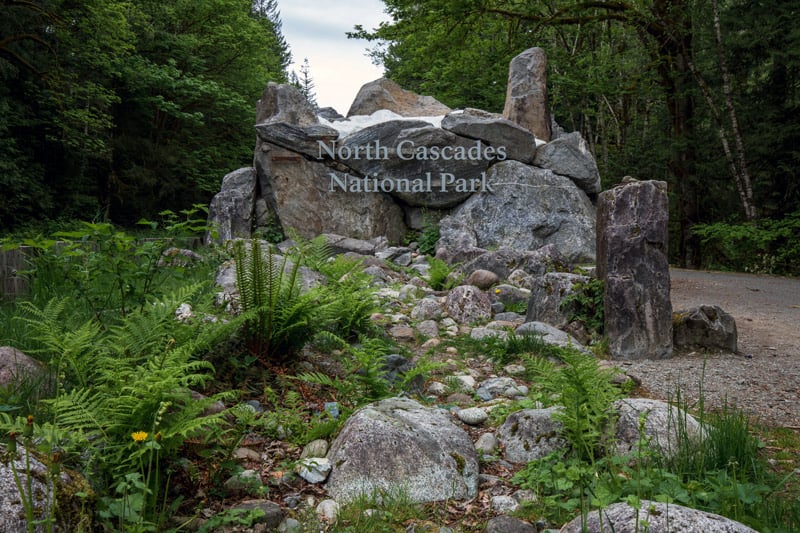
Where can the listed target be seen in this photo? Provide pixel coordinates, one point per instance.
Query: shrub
(767, 246)
(278, 318)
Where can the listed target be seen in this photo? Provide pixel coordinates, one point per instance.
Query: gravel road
(763, 377)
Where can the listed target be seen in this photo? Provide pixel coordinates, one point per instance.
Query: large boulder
(230, 214)
(569, 156)
(665, 425)
(529, 208)
(305, 198)
(70, 510)
(530, 434)
(399, 445)
(526, 95)
(15, 367)
(284, 103)
(707, 326)
(632, 238)
(659, 517)
(504, 261)
(420, 164)
(517, 142)
(386, 94)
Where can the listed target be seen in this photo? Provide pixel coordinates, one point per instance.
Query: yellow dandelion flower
(139, 436)
(497, 291)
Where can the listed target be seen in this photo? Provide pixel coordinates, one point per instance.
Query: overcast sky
(315, 29)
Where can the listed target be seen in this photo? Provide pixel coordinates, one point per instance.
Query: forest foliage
(702, 94)
(114, 110)
(117, 110)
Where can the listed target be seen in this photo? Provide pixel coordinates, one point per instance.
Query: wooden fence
(12, 284)
(12, 262)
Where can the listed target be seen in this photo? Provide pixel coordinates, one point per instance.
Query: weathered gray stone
(428, 328)
(518, 143)
(569, 156)
(397, 444)
(483, 279)
(427, 309)
(472, 416)
(313, 469)
(530, 207)
(632, 238)
(16, 366)
(71, 514)
(486, 443)
(707, 326)
(433, 182)
(659, 517)
(548, 293)
(550, 335)
(340, 244)
(664, 426)
(509, 524)
(273, 515)
(300, 192)
(526, 96)
(284, 103)
(509, 295)
(467, 304)
(530, 434)
(230, 214)
(300, 139)
(386, 94)
(498, 387)
(504, 261)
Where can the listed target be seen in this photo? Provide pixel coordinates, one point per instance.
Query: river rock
(632, 237)
(707, 326)
(467, 304)
(530, 434)
(659, 517)
(526, 95)
(398, 444)
(530, 207)
(384, 93)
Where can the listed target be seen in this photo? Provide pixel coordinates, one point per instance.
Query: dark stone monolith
(632, 260)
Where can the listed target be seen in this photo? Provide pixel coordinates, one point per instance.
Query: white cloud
(316, 29)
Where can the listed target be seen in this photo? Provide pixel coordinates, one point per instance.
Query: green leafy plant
(441, 276)
(766, 246)
(124, 406)
(111, 272)
(585, 305)
(428, 238)
(278, 318)
(585, 393)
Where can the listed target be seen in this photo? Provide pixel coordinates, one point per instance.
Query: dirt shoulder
(763, 377)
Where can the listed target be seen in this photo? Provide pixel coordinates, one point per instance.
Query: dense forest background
(117, 109)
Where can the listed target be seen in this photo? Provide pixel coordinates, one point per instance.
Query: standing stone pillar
(632, 260)
(526, 95)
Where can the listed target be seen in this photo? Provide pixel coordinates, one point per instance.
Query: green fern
(585, 393)
(278, 319)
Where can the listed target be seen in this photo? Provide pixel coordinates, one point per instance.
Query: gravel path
(763, 378)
